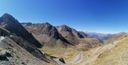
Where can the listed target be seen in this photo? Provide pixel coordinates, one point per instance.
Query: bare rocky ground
(13, 54)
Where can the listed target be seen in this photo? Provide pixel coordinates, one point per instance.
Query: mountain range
(46, 44)
(60, 36)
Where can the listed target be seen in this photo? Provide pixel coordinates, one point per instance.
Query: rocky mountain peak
(7, 18)
(70, 33)
(64, 28)
(13, 25)
(6, 15)
(47, 28)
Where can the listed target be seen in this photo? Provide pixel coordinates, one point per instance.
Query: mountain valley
(46, 44)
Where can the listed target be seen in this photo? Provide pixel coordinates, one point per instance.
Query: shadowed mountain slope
(70, 34)
(47, 34)
(12, 25)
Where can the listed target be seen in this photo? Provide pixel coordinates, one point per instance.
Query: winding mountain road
(79, 59)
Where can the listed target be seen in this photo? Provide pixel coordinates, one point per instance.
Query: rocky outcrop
(13, 54)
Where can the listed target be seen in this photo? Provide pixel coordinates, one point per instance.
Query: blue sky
(105, 16)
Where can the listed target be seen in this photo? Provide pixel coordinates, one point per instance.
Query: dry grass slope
(116, 56)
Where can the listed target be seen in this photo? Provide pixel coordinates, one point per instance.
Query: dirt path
(79, 59)
(99, 51)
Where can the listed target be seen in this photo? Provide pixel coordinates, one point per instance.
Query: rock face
(70, 34)
(13, 54)
(48, 34)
